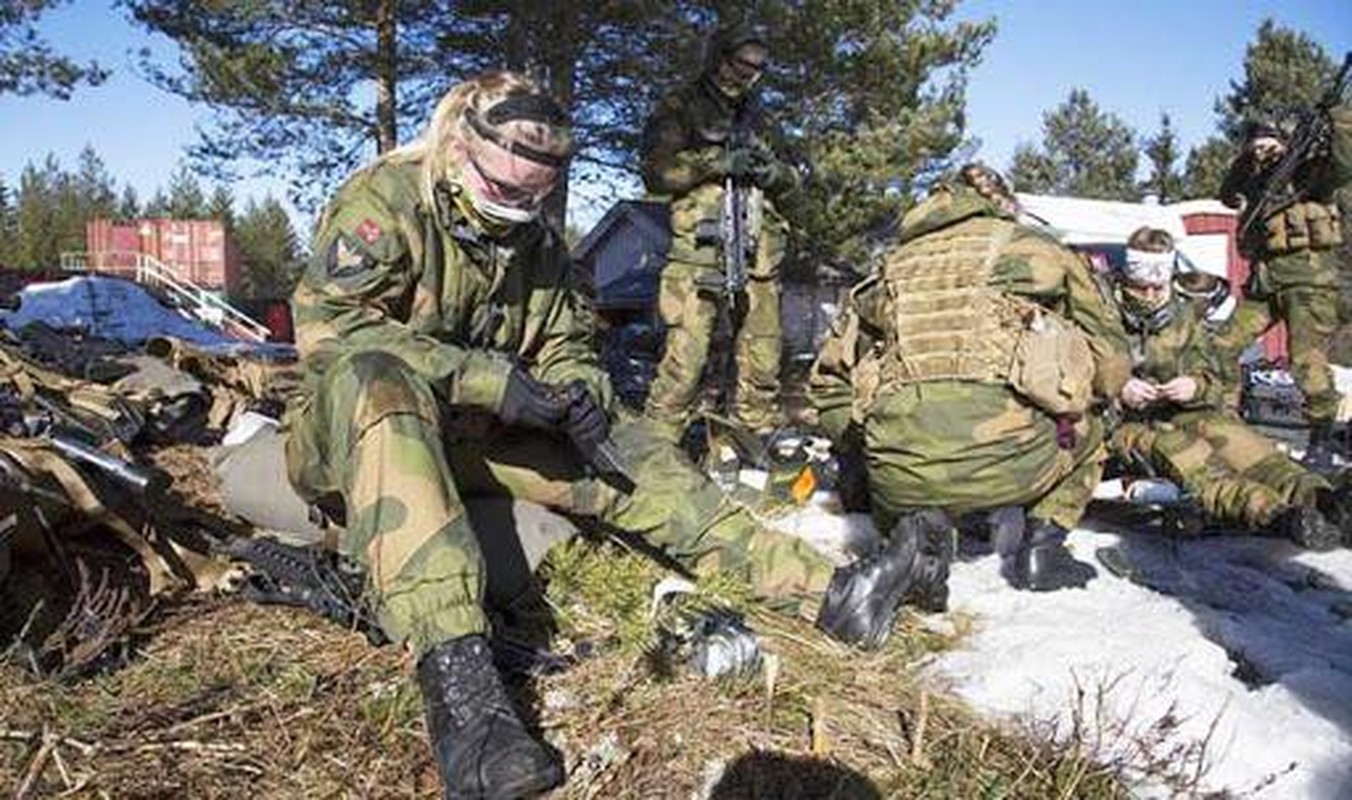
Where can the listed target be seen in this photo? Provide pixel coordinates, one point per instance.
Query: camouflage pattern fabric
(1236, 474)
(1250, 320)
(1297, 266)
(688, 303)
(968, 445)
(684, 146)
(407, 322)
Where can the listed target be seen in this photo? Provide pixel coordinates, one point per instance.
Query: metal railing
(150, 271)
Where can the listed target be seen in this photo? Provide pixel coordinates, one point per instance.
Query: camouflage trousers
(1237, 475)
(1310, 309)
(371, 431)
(968, 447)
(689, 301)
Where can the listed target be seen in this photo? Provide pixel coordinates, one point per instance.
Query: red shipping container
(198, 251)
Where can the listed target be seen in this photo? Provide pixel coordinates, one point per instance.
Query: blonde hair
(1150, 240)
(434, 149)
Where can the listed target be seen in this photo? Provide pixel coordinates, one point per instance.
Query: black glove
(740, 163)
(769, 172)
(531, 404)
(586, 424)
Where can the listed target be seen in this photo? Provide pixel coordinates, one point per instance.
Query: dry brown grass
(232, 700)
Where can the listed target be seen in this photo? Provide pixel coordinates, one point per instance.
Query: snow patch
(1240, 643)
(1243, 643)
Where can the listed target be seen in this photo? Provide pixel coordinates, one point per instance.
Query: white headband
(1150, 268)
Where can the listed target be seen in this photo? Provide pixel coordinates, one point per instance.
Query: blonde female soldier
(444, 358)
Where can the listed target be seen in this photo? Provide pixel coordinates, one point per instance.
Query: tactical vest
(950, 323)
(947, 321)
(1304, 225)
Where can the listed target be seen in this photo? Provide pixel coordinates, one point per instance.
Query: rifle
(1275, 190)
(737, 238)
(282, 573)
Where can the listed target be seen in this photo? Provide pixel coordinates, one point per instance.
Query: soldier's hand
(1138, 393)
(739, 163)
(768, 174)
(586, 422)
(531, 404)
(1180, 390)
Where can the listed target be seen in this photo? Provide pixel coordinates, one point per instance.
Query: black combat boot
(1306, 527)
(1319, 453)
(929, 579)
(482, 748)
(1041, 562)
(865, 596)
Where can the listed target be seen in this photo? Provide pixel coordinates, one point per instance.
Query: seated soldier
(444, 357)
(1176, 421)
(965, 367)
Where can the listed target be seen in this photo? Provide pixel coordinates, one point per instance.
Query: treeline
(45, 215)
(1088, 152)
(870, 95)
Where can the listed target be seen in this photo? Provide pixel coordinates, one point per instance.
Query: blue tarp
(120, 310)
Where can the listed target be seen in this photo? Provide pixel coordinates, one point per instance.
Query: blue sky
(1136, 59)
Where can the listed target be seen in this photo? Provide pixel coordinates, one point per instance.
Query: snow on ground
(1244, 643)
(116, 309)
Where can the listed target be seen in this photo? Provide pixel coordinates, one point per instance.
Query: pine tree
(1206, 167)
(186, 199)
(95, 186)
(129, 204)
(38, 230)
(290, 83)
(1085, 152)
(28, 65)
(268, 246)
(221, 206)
(1164, 182)
(157, 207)
(1285, 72)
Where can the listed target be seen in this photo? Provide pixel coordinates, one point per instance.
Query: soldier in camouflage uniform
(1295, 277)
(702, 136)
(438, 334)
(1175, 419)
(967, 367)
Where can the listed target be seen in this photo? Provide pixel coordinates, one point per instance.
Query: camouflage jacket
(1310, 223)
(424, 284)
(1030, 264)
(1182, 347)
(685, 138)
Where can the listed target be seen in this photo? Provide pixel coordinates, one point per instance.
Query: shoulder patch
(346, 261)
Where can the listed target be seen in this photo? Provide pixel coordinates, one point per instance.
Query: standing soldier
(703, 148)
(443, 358)
(968, 366)
(1294, 254)
(1175, 419)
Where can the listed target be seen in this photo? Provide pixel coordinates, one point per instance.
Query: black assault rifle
(1274, 191)
(737, 240)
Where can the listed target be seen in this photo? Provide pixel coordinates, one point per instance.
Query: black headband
(527, 107)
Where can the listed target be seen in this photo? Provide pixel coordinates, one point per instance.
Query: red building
(195, 250)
